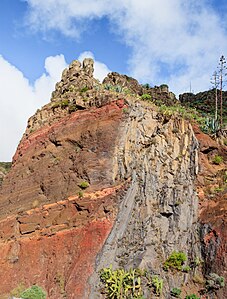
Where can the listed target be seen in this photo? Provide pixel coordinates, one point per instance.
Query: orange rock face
(51, 230)
(213, 207)
(56, 246)
(51, 163)
(55, 262)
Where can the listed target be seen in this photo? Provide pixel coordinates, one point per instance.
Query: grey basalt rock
(158, 213)
(88, 66)
(123, 82)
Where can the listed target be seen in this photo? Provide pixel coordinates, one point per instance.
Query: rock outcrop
(159, 210)
(205, 101)
(101, 177)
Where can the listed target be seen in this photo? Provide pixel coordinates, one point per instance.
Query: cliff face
(101, 177)
(212, 190)
(158, 212)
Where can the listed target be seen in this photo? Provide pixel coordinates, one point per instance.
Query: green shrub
(72, 108)
(108, 86)
(219, 189)
(34, 292)
(121, 283)
(5, 166)
(55, 105)
(175, 110)
(175, 261)
(157, 284)
(80, 194)
(61, 104)
(217, 160)
(127, 91)
(193, 296)
(215, 282)
(118, 88)
(84, 89)
(210, 125)
(175, 292)
(145, 96)
(84, 185)
(64, 103)
(146, 86)
(164, 86)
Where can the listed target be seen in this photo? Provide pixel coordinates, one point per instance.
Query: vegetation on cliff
(4, 168)
(34, 292)
(105, 174)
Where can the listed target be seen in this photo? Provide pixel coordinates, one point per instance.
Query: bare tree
(215, 82)
(222, 69)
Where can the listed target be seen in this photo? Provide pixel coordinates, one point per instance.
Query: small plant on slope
(34, 292)
(175, 292)
(122, 284)
(80, 194)
(146, 96)
(157, 283)
(84, 89)
(84, 185)
(146, 86)
(217, 160)
(193, 296)
(215, 282)
(175, 261)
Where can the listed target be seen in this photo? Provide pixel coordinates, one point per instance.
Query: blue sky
(156, 41)
(27, 49)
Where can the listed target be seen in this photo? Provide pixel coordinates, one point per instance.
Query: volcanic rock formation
(101, 177)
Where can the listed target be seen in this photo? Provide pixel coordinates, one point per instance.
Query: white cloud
(59, 14)
(175, 42)
(17, 104)
(44, 85)
(19, 99)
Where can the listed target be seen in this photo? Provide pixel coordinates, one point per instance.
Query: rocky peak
(79, 90)
(123, 82)
(76, 78)
(103, 176)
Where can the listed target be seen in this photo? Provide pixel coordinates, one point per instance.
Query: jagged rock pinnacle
(74, 78)
(88, 66)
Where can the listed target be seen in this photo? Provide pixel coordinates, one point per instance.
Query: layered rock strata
(99, 177)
